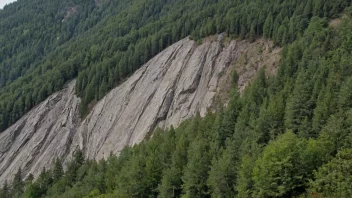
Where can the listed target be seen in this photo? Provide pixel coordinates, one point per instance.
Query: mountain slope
(176, 84)
(269, 141)
(286, 136)
(45, 44)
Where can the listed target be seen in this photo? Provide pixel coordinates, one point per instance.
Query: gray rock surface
(176, 84)
(45, 132)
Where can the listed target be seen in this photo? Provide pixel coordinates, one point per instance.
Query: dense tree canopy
(285, 136)
(264, 144)
(44, 44)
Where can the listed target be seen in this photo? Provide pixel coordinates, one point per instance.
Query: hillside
(287, 136)
(173, 86)
(44, 44)
(145, 98)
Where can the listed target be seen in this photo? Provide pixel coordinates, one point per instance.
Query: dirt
(252, 57)
(335, 23)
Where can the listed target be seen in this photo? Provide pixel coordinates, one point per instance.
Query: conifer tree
(268, 26)
(222, 176)
(5, 190)
(58, 170)
(299, 105)
(17, 186)
(196, 171)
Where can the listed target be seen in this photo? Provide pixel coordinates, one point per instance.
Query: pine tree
(5, 190)
(171, 183)
(317, 9)
(244, 179)
(252, 32)
(29, 179)
(222, 176)
(196, 171)
(71, 176)
(33, 190)
(58, 170)
(153, 167)
(132, 181)
(308, 8)
(345, 96)
(17, 183)
(229, 118)
(299, 105)
(268, 26)
(44, 180)
(78, 157)
(337, 132)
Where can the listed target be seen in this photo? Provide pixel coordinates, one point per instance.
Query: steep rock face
(176, 84)
(46, 131)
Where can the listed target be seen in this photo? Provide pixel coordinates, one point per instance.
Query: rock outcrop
(176, 84)
(45, 132)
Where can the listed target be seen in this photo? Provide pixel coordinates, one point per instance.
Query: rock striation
(184, 79)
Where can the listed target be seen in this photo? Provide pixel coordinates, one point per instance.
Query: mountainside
(176, 98)
(287, 135)
(173, 86)
(45, 44)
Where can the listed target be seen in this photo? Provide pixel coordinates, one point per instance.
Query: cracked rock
(176, 84)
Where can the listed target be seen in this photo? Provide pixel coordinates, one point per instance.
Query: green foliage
(223, 174)
(58, 170)
(244, 182)
(334, 179)
(196, 171)
(285, 136)
(17, 184)
(286, 164)
(5, 190)
(45, 44)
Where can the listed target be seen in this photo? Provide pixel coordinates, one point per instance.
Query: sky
(4, 2)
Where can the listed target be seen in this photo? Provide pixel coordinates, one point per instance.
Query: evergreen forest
(289, 135)
(44, 44)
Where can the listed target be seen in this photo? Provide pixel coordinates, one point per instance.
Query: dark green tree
(334, 179)
(268, 26)
(58, 170)
(17, 186)
(196, 171)
(5, 190)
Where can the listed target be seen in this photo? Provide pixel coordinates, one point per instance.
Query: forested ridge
(285, 136)
(44, 44)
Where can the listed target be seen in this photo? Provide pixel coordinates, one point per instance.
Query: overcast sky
(4, 2)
